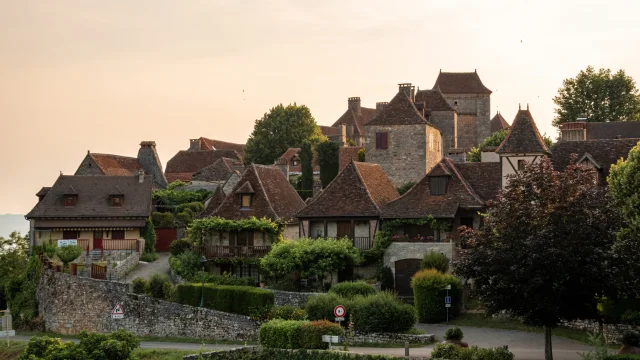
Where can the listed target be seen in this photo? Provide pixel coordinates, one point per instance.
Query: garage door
(405, 269)
(164, 238)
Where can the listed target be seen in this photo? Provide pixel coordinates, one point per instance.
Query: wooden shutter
(382, 141)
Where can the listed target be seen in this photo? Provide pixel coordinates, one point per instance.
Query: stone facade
(120, 271)
(150, 161)
(447, 122)
(298, 299)
(612, 332)
(476, 109)
(467, 134)
(70, 304)
(393, 338)
(409, 250)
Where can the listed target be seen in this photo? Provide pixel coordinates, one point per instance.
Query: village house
(291, 165)
(349, 128)
(347, 154)
(202, 152)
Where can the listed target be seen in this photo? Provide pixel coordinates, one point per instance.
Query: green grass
(383, 345)
(13, 351)
(155, 339)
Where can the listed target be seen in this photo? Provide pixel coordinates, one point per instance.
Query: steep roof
(93, 197)
(470, 186)
(433, 100)
(399, 111)
(460, 83)
(329, 130)
(216, 199)
(523, 136)
(356, 120)
(116, 165)
(212, 144)
(360, 189)
(346, 155)
(498, 123)
(185, 163)
(292, 153)
(43, 191)
(605, 152)
(274, 197)
(218, 171)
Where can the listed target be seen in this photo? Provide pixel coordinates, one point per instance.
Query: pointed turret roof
(523, 136)
(498, 123)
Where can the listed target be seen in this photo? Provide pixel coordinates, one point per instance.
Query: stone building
(202, 153)
(351, 124)
(438, 111)
(401, 140)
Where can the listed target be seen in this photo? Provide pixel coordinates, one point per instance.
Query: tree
(545, 249)
(279, 129)
(306, 158)
(361, 155)
(13, 261)
(67, 254)
(328, 160)
(598, 96)
(149, 236)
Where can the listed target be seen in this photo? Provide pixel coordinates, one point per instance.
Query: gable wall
(510, 161)
(478, 106)
(88, 167)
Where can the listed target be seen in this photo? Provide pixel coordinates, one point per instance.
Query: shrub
(184, 218)
(93, 346)
(311, 334)
(453, 352)
(280, 334)
(361, 155)
(162, 220)
(349, 289)
(622, 357)
(38, 347)
(287, 312)
(454, 333)
(382, 312)
(631, 338)
(149, 236)
(149, 257)
(179, 246)
(434, 260)
(186, 265)
(156, 285)
(320, 307)
(385, 276)
(429, 293)
(170, 292)
(242, 300)
(195, 207)
(405, 187)
(140, 286)
(67, 254)
(630, 317)
(612, 310)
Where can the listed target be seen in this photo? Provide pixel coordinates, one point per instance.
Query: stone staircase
(95, 254)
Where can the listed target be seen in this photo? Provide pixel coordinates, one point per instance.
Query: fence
(98, 271)
(127, 244)
(229, 251)
(362, 243)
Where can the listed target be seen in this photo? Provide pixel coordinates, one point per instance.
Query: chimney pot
(354, 105)
(194, 145)
(407, 89)
(380, 106)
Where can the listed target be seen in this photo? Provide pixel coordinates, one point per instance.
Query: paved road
(146, 270)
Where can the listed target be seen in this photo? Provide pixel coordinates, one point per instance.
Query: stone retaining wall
(70, 304)
(298, 299)
(612, 332)
(121, 270)
(394, 338)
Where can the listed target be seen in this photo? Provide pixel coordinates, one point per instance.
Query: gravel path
(146, 270)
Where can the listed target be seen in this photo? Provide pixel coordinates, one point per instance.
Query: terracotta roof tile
(189, 162)
(218, 171)
(498, 123)
(460, 83)
(399, 111)
(358, 121)
(186, 177)
(212, 144)
(346, 155)
(329, 130)
(216, 199)
(433, 100)
(523, 136)
(116, 165)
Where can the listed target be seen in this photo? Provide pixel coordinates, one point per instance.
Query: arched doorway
(405, 269)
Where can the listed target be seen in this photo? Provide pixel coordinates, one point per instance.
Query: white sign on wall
(63, 243)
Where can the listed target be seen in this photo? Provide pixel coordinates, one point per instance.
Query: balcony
(362, 243)
(211, 252)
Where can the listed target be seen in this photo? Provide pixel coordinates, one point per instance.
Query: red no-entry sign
(339, 311)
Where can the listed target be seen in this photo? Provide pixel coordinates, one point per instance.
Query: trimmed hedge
(454, 352)
(287, 312)
(280, 354)
(292, 334)
(622, 357)
(320, 307)
(382, 312)
(429, 293)
(244, 300)
(311, 333)
(350, 289)
(434, 260)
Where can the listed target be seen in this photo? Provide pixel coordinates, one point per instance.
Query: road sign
(117, 312)
(330, 338)
(447, 299)
(447, 305)
(339, 311)
(7, 333)
(63, 243)
(339, 319)
(448, 287)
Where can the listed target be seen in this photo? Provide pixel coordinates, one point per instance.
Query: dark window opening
(117, 234)
(438, 185)
(466, 221)
(70, 200)
(382, 141)
(69, 235)
(521, 164)
(116, 201)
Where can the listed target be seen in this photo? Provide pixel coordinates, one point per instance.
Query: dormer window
(295, 162)
(70, 200)
(116, 201)
(438, 185)
(246, 201)
(521, 164)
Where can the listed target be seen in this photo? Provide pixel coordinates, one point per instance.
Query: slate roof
(498, 123)
(613, 130)
(346, 155)
(399, 111)
(116, 165)
(470, 186)
(218, 171)
(359, 190)
(216, 199)
(185, 163)
(433, 100)
(93, 198)
(274, 196)
(523, 136)
(460, 83)
(358, 121)
(212, 144)
(605, 152)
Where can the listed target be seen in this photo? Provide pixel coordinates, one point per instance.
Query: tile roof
(498, 123)
(292, 153)
(329, 130)
(399, 111)
(460, 83)
(93, 198)
(274, 196)
(116, 165)
(605, 152)
(360, 189)
(178, 176)
(433, 100)
(346, 155)
(218, 171)
(613, 130)
(212, 144)
(213, 203)
(523, 136)
(185, 163)
(470, 186)
(43, 191)
(358, 121)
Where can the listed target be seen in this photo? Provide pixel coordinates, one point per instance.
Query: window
(116, 201)
(68, 235)
(438, 185)
(117, 234)
(246, 200)
(382, 141)
(455, 102)
(521, 164)
(70, 200)
(466, 221)
(295, 162)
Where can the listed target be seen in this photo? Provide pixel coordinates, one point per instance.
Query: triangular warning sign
(117, 310)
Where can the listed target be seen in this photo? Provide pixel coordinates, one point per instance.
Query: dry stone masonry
(298, 299)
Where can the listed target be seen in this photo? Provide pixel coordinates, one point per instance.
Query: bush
(170, 292)
(434, 260)
(67, 254)
(149, 257)
(195, 207)
(93, 346)
(349, 289)
(186, 265)
(185, 218)
(140, 286)
(242, 300)
(612, 310)
(622, 357)
(630, 317)
(453, 352)
(156, 285)
(179, 246)
(292, 334)
(162, 220)
(311, 334)
(429, 293)
(287, 312)
(149, 236)
(631, 338)
(320, 307)
(454, 333)
(402, 189)
(382, 312)
(385, 276)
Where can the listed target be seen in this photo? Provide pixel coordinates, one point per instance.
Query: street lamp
(203, 261)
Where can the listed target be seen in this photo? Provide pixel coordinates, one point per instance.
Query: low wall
(244, 353)
(612, 332)
(298, 299)
(393, 338)
(69, 304)
(121, 270)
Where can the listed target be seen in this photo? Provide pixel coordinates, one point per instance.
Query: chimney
(140, 176)
(343, 134)
(194, 145)
(380, 106)
(317, 188)
(354, 105)
(148, 158)
(409, 90)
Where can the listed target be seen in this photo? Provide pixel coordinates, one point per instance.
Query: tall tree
(306, 158)
(13, 261)
(599, 96)
(545, 251)
(279, 129)
(328, 160)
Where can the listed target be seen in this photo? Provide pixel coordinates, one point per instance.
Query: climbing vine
(235, 261)
(200, 227)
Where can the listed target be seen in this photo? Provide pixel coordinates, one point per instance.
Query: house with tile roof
(350, 125)
(219, 171)
(347, 154)
(204, 143)
(401, 140)
(439, 112)
(350, 206)
(291, 158)
(96, 164)
(98, 212)
(498, 123)
(186, 163)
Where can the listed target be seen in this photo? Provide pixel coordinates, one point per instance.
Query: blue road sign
(447, 299)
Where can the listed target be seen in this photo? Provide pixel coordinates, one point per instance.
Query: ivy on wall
(200, 227)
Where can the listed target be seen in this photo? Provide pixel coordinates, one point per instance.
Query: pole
(406, 348)
(202, 291)
(447, 307)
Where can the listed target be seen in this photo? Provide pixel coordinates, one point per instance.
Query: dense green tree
(361, 155)
(306, 159)
(599, 96)
(328, 160)
(545, 251)
(13, 261)
(279, 129)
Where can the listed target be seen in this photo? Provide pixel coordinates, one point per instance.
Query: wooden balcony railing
(229, 251)
(362, 243)
(124, 244)
(84, 244)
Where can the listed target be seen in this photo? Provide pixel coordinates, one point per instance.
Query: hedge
(287, 312)
(349, 289)
(454, 352)
(244, 300)
(279, 354)
(612, 310)
(292, 334)
(622, 357)
(320, 307)
(429, 293)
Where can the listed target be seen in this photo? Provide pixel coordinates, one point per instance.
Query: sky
(78, 75)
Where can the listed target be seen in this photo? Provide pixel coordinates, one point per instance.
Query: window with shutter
(438, 185)
(382, 141)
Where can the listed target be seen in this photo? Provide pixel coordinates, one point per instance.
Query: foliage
(170, 292)
(402, 189)
(118, 345)
(454, 333)
(13, 260)
(328, 160)
(179, 246)
(171, 197)
(630, 317)
(600, 96)
(242, 300)
(200, 227)
(454, 352)
(292, 334)
(287, 312)
(538, 245)
(631, 338)
(186, 265)
(320, 307)
(306, 160)
(434, 260)
(382, 312)
(600, 349)
(311, 258)
(163, 220)
(612, 310)
(311, 333)
(20, 291)
(141, 286)
(67, 254)
(350, 289)
(361, 155)
(385, 276)
(622, 357)
(149, 236)
(156, 285)
(149, 257)
(305, 194)
(429, 291)
(176, 184)
(196, 207)
(475, 155)
(279, 129)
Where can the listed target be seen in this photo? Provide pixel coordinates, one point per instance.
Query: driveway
(146, 270)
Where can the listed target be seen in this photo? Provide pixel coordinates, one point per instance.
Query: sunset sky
(103, 75)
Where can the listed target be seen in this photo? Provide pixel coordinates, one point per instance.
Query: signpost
(339, 311)
(447, 301)
(117, 312)
(7, 326)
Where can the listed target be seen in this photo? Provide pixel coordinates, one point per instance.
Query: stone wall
(393, 338)
(467, 134)
(612, 332)
(406, 250)
(298, 299)
(474, 106)
(123, 268)
(70, 304)
(446, 122)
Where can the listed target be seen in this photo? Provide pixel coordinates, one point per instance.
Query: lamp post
(203, 261)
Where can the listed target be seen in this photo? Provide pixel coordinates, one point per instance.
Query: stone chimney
(317, 188)
(148, 158)
(380, 106)
(194, 145)
(283, 164)
(409, 90)
(354, 105)
(140, 176)
(343, 134)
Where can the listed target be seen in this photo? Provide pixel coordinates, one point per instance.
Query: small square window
(116, 201)
(246, 200)
(70, 201)
(438, 185)
(295, 162)
(521, 164)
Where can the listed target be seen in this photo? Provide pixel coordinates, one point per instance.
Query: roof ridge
(464, 181)
(114, 155)
(516, 122)
(364, 183)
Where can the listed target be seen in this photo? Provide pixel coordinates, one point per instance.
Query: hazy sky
(103, 75)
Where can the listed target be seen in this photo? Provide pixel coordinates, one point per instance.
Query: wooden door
(405, 269)
(344, 229)
(97, 239)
